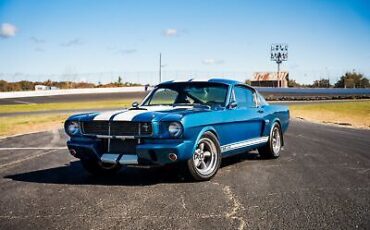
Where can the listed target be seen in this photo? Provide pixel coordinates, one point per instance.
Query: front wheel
(206, 159)
(99, 168)
(272, 149)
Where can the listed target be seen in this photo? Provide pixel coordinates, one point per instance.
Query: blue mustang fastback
(193, 123)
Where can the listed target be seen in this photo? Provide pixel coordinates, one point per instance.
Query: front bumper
(148, 153)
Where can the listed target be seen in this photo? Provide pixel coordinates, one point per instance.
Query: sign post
(279, 53)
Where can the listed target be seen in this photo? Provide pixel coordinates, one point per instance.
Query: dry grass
(65, 106)
(25, 124)
(10, 125)
(355, 113)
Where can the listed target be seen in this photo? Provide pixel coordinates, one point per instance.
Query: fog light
(172, 156)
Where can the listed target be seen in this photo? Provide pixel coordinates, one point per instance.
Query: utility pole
(278, 61)
(160, 67)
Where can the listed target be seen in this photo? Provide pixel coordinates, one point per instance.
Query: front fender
(202, 131)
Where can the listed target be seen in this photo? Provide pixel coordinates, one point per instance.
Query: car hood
(143, 114)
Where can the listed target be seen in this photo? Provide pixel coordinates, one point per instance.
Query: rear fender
(268, 126)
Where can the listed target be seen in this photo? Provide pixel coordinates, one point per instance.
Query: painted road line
(26, 159)
(34, 148)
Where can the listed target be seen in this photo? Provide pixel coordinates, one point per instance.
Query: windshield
(189, 94)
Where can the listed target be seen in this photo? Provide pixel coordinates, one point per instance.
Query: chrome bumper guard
(122, 159)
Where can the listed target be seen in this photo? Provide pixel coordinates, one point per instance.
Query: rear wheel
(206, 159)
(272, 149)
(99, 168)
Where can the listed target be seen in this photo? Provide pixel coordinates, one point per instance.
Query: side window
(244, 97)
(262, 100)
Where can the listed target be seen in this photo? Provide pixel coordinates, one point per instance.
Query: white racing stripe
(105, 116)
(130, 114)
(245, 143)
(127, 116)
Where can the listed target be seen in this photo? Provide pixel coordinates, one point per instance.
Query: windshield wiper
(195, 105)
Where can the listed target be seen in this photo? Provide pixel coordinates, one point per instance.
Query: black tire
(273, 147)
(208, 158)
(97, 168)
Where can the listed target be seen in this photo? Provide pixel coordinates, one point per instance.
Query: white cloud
(73, 42)
(211, 61)
(170, 32)
(7, 30)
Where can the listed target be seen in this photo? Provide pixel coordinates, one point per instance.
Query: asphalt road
(321, 181)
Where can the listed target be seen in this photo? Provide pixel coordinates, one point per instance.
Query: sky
(41, 38)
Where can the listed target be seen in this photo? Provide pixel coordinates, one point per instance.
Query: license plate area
(127, 146)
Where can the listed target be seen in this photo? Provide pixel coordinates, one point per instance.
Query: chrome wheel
(276, 140)
(205, 157)
(273, 147)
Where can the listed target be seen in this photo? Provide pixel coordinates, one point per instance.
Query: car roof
(212, 80)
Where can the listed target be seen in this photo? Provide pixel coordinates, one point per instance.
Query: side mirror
(135, 104)
(232, 105)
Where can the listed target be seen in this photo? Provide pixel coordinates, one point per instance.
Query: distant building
(44, 87)
(270, 79)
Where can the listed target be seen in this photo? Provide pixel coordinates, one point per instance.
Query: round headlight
(175, 129)
(73, 128)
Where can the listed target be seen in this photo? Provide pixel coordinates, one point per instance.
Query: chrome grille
(116, 128)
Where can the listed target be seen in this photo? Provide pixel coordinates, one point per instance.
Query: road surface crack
(183, 202)
(235, 204)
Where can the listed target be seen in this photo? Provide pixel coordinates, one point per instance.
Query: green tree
(352, 80)
(3, 86)
(293, 83)
(322, 83)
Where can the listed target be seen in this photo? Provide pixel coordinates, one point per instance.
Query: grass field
(30, 123)
(354, 113)
(65, 106)
(10, 125)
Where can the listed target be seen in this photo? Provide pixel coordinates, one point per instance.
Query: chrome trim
(124, 137)
(100, 136)
(112, 137)
(109, 138)
(109, 158)
(129, 160)
(139, 124)
(243, 144)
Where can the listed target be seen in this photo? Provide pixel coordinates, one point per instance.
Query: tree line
(6, 86)
(348, 80)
